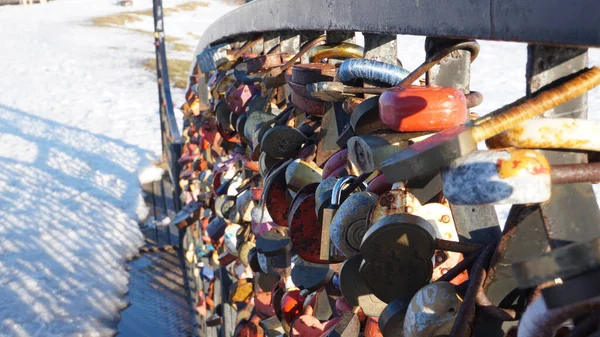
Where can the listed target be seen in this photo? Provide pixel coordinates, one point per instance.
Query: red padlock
(292, 305)
(422, 109)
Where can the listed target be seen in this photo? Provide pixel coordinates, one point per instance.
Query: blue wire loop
(372, 71)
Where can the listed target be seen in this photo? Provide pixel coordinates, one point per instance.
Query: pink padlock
(261, 221)
(238, 97)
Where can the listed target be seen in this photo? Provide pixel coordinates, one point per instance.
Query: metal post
(533, 230)
(582, 221)
(381, 47)
(270, 40)
(476, 224)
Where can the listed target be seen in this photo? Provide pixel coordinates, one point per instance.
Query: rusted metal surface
(576, 173)
(551, 133)
(466, 313)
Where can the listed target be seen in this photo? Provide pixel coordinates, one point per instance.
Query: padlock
(232, 57)
(231, 231)
(422, 109)
(327, 250)
(305, 227)
(311, 276)
(306, 326)
(336, 164)
(216, 228)
(379, 185)
(261, 221)
(240, 291)
(432, 311)
(272, 327)
(292, 305)
(274, 253)
(282, 141)
(239, 96)
(507, 176)
(391, 320)
(372, 327)
(424, 159)
(369, 151)
(348, 325)
(399, 200)
(397, 252)
(244, 206)
(300, 173)
(349, 224)
(262, 304)
(355, 290)
(266, 282)
(275, 194)
(550, 133)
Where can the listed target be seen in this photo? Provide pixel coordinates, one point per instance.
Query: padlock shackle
(434, 59)
(336, 193)
(342, 50)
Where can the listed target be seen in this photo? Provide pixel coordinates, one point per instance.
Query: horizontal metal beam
(555, 22)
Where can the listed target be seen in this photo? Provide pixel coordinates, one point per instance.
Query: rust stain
(522, 162)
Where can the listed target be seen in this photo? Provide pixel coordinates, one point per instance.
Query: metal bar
(545, 65)
(307, 36)
(556, 22)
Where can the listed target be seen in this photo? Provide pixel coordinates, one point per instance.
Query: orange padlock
(422, 109)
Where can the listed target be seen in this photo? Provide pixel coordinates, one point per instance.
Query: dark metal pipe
(486, 305)
(575, 173)
(459, 247)
(466, 313)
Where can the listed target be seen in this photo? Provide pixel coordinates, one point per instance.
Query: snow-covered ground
(78, 124)
(78, 127)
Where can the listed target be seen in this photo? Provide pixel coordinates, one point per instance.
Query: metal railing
(171, 137)
(558, 32)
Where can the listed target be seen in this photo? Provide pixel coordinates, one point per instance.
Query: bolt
(409, 209)
(445, 218)
(390, 198)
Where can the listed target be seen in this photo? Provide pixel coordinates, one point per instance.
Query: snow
(79, 131)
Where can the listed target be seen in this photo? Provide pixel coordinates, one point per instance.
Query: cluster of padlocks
(322, 183)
